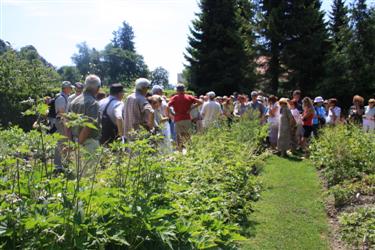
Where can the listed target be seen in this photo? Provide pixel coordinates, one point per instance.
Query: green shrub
(358, 227)
(344, 153)
(135, 198)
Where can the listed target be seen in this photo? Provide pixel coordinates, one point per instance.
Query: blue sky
(54, 27)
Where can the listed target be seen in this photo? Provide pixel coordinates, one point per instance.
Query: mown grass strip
(290, 214)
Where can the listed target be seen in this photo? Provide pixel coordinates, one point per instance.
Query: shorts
(307, 131)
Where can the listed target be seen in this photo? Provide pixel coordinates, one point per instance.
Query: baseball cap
(142, 83)
(116, 88)
(254, 93)
(180, 87)
(66, 84)
(318, 99)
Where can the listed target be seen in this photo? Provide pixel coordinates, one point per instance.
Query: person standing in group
(256, 108)
(297, 98)
(87, 105)
(228, 110)
(297, 130)
(307, 119)
(111, 111)
(166, 127)
(334, 112)
(273, 118)
(320, 115)
(61, 108)
(369, 117)
(182, 104)
(137, 110)
(357, 110)
(78, 90)
(285, 128)
(240, 106)
(211, 111)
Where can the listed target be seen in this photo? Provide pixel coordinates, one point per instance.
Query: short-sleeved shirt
(136, 109)
(181, 104)
(211, 111)
(87, 105)
(320, 111)
(337, 111)
(115, 109)
(61, 102)
(370, 113)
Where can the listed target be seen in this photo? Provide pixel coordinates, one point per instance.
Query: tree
(271, 28)
(362, 48)
(160, 76)
(69, 73)
(216, 52)
(338, 19)
(83, 58)
(305, 45)
(123, 37)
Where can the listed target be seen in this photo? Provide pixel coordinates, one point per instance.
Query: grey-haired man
(137, 110)
(87, 105)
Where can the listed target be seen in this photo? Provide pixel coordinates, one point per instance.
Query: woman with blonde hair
(286, 123)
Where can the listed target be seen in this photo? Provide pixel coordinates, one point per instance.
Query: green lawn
(290, 214)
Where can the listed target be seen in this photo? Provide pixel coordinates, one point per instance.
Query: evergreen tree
(124, 37)
(338, 19)
(271, 29)
(362, 48)
(306, 44)
(216, 52)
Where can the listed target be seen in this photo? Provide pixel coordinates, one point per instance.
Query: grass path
(290, 214)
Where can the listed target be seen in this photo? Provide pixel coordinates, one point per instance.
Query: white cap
(142, 83)
(156, 89)
(318, 99)
(211, 94)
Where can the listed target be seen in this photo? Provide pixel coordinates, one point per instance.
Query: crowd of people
(291, 122)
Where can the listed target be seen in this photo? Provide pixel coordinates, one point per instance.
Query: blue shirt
(319, 111)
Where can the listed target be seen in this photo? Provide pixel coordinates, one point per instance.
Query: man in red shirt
(182, 104)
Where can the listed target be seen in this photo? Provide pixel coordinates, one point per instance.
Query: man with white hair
(137, 110)
(87, 105)
(211, 110)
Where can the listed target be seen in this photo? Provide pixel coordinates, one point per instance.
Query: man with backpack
(60, 105)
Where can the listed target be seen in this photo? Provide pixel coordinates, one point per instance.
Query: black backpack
(51, 106)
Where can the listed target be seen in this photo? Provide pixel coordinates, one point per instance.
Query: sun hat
(318, 99)
(283, 100)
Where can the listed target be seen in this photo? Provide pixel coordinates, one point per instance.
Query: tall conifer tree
(216, 52)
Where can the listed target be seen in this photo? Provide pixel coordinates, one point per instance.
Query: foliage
(135, 197)
(160, 76)
(358, 227)
(20, 79)
(70, 73)
(216, 53)
(344, 153)
(118, 62)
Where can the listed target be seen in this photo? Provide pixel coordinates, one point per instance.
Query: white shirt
(211, 111)
(297, 116)
(337, 111)
(276, 118)
(114, 110)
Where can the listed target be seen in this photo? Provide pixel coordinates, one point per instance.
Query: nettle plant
(135, 197)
